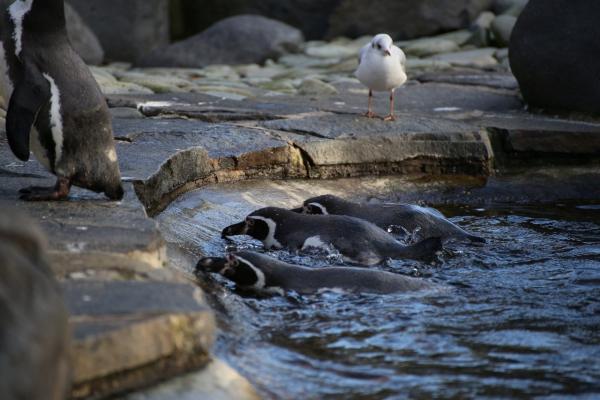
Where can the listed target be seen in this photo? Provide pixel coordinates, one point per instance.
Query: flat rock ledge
(447, 124)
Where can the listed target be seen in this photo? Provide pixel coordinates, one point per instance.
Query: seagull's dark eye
(378, 46)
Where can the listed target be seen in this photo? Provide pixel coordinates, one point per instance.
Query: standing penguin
(56, 109)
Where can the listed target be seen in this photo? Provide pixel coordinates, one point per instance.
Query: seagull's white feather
(379, 71)
(363, 51)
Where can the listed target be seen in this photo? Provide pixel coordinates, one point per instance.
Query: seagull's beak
(387, 52)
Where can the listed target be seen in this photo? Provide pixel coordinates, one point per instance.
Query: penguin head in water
(261, 225)
(235, 268)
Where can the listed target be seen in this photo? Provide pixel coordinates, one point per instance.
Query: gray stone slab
(160, 140)
(333, 126)
(498, 80)
(127, 334)
(414, 97)
(100, 298)
(543, 134)
(87, 223)
(210, 108)
(217, 381)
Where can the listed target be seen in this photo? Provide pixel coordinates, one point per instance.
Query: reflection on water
(522, 320)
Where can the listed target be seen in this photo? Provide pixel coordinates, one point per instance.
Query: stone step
(129, 334)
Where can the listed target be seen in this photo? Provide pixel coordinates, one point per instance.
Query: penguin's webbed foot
(59, 191)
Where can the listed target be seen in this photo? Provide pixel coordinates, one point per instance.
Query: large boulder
(310, 16)
(403, 19)
(243, 39)
(84, 41)
(317, 19)
(126, 29)
(34, 336)
(553, 52)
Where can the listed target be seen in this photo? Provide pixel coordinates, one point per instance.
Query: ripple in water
(522, 320)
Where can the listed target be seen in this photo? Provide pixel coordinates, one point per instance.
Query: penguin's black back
(309, 280)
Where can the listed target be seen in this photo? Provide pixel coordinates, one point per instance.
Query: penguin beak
(298, 210)
(236, 229)
(211, 264)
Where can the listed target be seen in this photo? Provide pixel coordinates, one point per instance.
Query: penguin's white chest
(55, 117)
(40, 153)
(381, 73)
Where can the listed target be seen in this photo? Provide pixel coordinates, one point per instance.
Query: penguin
(358, 241)
(263, 273)
(56, 109)
(407, 217)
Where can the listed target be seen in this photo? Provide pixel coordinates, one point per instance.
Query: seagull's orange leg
(370, 114)
(391, 117)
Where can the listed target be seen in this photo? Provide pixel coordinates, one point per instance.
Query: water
(522, 318)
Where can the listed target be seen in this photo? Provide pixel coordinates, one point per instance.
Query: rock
(403, 19)
(241, 39)
(118, 87)
(126, 29)
(125, 112)
(429, 46)
(425, 64)
(459, 37)
(217, 381)
(34, 336)
(511, 7)
(305, 62)
(316, 87)
(310, 16)
(481, 29)
(283, 86)
(83, 40)
(555, 70)
(270, 70)
(129, 334)
(484, 20)
(501, 29)
(480, 58)
(504, 6)
(317, 19)
(323, 50)
(156, 83)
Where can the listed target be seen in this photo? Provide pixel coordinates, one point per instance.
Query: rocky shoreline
(136, 318)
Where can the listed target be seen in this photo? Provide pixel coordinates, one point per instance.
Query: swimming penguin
(357, 240)
(260, 272)
(56, 109)
(428, 221)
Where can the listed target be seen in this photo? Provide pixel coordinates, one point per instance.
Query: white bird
(381, 68)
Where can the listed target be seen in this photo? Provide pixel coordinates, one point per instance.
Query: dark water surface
(521, 318)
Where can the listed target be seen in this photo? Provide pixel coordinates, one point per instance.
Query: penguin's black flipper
(30, 94)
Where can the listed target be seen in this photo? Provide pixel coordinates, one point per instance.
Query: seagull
(381, 68)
